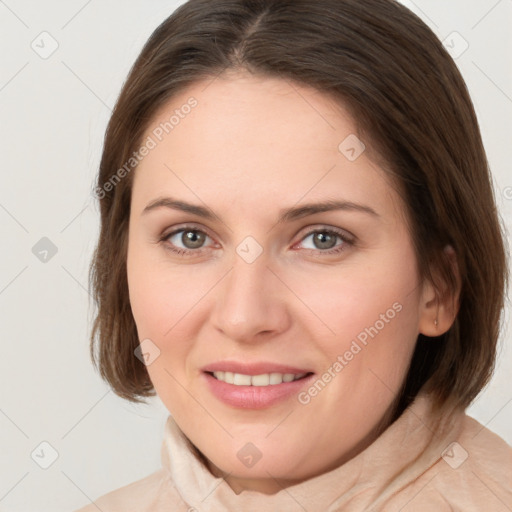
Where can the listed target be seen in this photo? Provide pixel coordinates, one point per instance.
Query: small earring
(436, 322)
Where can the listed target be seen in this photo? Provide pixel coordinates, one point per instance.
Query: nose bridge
(247, 301)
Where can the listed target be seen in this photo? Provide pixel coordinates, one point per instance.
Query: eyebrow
(285, 215)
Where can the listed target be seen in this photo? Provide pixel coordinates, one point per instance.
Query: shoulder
(151, 493)
(474, 471)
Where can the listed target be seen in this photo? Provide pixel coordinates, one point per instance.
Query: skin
(251, 147)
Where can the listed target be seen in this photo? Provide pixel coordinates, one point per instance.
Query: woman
(296, 219)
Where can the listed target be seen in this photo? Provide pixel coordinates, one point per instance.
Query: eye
(324, 240)
(186, 240)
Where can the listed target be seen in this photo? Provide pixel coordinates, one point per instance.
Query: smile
(256, 385)
(265, 379)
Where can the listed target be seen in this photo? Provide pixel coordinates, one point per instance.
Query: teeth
(265, 379)
(241, 380)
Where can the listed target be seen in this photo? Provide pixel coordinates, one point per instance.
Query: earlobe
(429, 311)
(440, 304)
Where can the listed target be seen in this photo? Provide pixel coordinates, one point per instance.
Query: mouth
(254, 386)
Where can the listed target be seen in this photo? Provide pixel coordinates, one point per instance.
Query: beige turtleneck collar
(410, 450)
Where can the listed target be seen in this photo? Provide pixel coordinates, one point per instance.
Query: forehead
(244, 111)
(256, 140)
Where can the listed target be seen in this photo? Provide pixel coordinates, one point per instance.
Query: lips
(254, 385)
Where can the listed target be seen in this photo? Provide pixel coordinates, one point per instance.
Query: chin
(261, 461)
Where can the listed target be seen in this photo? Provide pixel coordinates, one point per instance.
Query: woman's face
(265, 246)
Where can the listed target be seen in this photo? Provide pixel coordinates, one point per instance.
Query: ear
(439, 303)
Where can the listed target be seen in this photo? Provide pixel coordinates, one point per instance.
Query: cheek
(367, 313)
(358, 297)
(169, 308)
(161, 294)
(162, 303)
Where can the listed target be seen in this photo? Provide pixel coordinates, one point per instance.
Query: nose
(250, 302)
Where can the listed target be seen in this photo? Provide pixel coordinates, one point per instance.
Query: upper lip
(257, 368)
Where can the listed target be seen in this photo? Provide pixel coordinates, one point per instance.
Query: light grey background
(53, 115)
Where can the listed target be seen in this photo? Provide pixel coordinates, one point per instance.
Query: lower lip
(254, 397)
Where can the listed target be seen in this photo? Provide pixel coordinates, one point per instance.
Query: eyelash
(329, 230)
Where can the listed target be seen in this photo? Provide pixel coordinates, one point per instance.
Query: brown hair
(389, 69)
